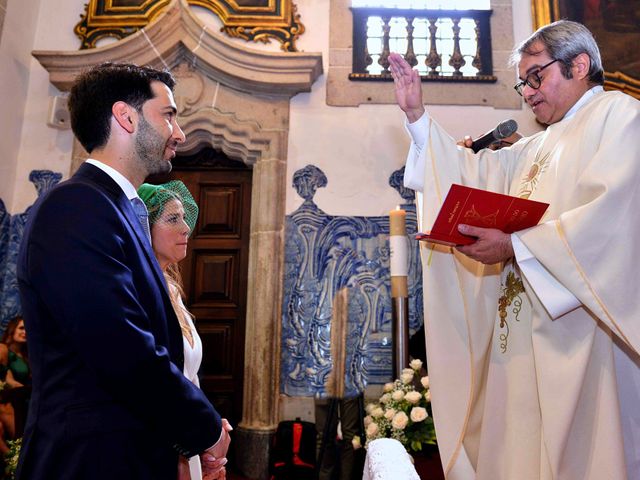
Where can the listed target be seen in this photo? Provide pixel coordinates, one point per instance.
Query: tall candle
(399, 252)
(398, 222)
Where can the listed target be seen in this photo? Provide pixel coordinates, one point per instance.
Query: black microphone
(503, 130)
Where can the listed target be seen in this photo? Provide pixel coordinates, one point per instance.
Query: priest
(533, 338)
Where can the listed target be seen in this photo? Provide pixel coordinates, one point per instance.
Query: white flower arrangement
(416, 364)
(403, 412)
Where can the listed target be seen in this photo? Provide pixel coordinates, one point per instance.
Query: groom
(109, 398)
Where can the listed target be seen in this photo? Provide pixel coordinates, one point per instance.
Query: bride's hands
(183, 468)
(219, 475)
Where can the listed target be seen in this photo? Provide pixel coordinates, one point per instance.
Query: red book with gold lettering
(480, 208)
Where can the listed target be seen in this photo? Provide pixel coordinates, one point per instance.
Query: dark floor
(234, 475)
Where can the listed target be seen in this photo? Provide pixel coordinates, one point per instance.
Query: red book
(481, 208)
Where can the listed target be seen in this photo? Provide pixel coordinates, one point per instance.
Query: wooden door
(215, 274)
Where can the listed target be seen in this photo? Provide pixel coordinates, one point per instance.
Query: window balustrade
(444, 45)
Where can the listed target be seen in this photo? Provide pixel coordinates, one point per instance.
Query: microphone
(503, 130)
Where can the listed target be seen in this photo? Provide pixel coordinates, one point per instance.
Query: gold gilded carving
(115, 18)
(287, 35)
(625, 83)
(251, 20)
(615, 27)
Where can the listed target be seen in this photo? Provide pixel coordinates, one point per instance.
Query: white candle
(398, 245)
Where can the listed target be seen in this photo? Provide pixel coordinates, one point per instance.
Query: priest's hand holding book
(491, 246)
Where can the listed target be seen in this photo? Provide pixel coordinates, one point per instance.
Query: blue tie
(141, 211)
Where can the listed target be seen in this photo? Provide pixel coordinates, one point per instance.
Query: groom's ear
(125, 116)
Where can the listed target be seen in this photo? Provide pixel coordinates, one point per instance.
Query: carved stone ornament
(251, 20)
(178, 36)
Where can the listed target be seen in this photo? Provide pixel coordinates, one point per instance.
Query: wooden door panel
(217, 360)
(215, 276)
(222, 212)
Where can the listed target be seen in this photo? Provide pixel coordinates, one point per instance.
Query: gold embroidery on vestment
(510, 296)
(513, 286)
(531, 179)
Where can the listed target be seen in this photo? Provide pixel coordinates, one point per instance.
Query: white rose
(400, 421)
(389, 414)
(367, 420)
(427, 395)
(398, 395)
(377, 412)
(413, 397)
(369, 408)
(372, 430)
(388, 387)
(407, 378)
(386, 398)
(425, 381)
(416, 364)
(418, 414)
(356, 443)
(408, 370)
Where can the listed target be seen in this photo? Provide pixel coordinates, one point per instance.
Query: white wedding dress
(192, 360)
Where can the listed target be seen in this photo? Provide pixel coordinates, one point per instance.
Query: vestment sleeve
(414, 168)
(555, 298)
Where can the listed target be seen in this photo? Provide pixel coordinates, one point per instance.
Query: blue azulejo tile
(11, 233)
(323, 254)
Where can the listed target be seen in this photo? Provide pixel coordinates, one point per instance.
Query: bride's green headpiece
(156, 197)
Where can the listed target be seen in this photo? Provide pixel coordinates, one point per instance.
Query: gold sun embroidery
(531, 179)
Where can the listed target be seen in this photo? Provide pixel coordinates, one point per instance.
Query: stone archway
(237, 100)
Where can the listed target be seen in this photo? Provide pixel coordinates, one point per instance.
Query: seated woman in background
(14, 360)
(172, 216)
(14, 371)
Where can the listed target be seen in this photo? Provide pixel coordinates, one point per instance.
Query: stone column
(262, 347)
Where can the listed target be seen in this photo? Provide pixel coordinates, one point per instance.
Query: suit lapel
(123, 204)
(96, 176)
(176, 348)
(125, 207)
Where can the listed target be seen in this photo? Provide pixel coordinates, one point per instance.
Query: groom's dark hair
(96, 90)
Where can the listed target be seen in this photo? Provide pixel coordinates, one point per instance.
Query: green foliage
(11, 458)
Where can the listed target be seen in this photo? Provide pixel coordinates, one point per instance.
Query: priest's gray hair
(564, 40)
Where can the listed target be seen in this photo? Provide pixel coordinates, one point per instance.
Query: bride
(172, 217)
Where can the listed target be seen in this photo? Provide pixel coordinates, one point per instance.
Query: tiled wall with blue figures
(11, 231)
(323, 254)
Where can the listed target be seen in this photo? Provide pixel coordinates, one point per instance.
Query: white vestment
(518, 393)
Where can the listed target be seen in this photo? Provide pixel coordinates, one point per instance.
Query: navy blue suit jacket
(109, 398)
